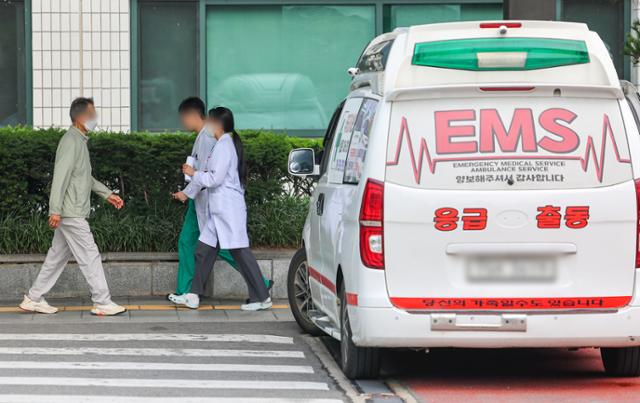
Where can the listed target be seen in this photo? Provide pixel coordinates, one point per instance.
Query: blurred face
(215, 126)
(191, 121)
(88, 119)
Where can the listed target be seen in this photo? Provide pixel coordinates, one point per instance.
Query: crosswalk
(159, 367)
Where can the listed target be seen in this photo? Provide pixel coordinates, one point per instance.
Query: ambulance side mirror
(302, 162)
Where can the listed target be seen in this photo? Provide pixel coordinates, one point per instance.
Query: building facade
(279, 64)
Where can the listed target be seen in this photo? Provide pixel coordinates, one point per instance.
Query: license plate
(516, 270)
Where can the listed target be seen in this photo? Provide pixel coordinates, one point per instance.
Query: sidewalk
(147, 309)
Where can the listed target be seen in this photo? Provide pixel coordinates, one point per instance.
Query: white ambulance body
(478, 188)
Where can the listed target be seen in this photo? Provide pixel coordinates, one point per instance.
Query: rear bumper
(392, 327)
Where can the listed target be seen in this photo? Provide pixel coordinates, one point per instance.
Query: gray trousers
(72, 238)
(247, 266)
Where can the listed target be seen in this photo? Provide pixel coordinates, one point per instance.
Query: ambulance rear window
(374, 59)
(500, 143)
(500, 54)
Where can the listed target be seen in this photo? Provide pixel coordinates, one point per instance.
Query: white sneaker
(192, 301)
(178, 299)
(41, 307)
(257, 306)
(189, 300)
(109, 309)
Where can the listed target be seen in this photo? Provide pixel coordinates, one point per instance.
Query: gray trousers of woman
(247, 266)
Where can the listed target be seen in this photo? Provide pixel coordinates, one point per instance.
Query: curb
(140, 275)
(260, 254)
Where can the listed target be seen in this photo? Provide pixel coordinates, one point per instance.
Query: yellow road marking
(156, 308)
(237, 307)
(200, 308)
(76, 308)
(226, 307)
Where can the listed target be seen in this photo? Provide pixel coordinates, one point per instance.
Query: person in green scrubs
(187, 248)
(192, 117)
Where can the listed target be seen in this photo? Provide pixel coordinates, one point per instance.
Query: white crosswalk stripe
(151, 366)
(128, 399)
(161, 383)
(158, 368)
(151, 352)
(243, 338)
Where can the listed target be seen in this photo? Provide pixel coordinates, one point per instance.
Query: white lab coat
(227, 220)
(202, 149)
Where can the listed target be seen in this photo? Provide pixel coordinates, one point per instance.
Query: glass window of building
(404, 15)
(284, 67)
(606, 17)
(12, 64)
(168, 61)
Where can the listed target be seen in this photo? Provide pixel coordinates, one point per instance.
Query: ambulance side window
(328, 139)
(342, 140)
(359, 141)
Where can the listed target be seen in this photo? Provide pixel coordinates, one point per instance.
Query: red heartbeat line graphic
(432, 162)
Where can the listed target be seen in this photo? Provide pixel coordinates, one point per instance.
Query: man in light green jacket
(69, 206)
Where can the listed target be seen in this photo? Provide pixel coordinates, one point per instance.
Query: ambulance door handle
(320, 204)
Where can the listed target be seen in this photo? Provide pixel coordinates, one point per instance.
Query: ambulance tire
(298, 280)
(621, 362)
(356, 362)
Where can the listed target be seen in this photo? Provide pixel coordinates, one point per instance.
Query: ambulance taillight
(500, 24)
(371, 225)
(637, 182)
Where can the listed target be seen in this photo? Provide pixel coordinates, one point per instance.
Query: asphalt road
(242, 362)
(229, 356)
(509, 376)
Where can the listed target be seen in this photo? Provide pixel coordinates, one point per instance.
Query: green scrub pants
(187, 247)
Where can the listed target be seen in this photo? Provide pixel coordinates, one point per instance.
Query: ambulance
(478, 188)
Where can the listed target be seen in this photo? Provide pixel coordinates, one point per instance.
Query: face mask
(90, 125)
(209, 128)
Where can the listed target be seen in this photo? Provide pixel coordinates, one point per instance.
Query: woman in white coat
(226, 228)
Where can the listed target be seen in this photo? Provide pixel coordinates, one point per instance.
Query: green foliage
(267, 155)
(273, 222)
(145, 169)
(113, 231)
(632, 42)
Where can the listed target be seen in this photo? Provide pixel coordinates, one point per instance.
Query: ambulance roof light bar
(500, 54)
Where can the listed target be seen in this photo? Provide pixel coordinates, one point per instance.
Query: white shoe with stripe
(41, 307)
(257, 306)
(110, 309)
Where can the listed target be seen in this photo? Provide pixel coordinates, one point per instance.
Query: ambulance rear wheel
(356, 362)
(623, 362)
(299, 293)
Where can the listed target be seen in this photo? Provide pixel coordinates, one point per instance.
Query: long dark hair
(224, 116)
